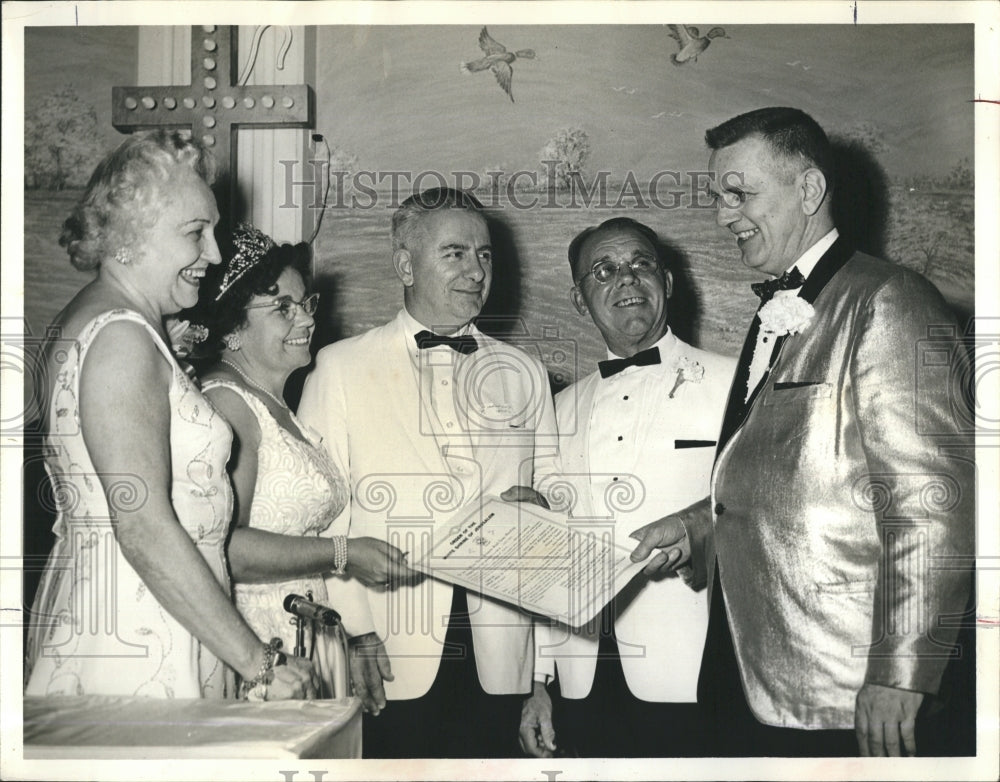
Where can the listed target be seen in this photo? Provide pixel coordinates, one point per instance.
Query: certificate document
(533, 558)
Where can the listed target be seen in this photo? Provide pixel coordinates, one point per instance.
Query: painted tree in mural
(961, 176)
(868, 135)
(61, 142)
(932, 231)
(494, 178)
(564, 156)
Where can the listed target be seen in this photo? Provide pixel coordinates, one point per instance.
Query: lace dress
(299, 492)
(95, 628)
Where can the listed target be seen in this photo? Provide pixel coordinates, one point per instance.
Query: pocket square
(796, 384)
(694, 443)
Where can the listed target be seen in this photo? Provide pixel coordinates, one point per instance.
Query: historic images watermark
(320, 187)
(960, 363)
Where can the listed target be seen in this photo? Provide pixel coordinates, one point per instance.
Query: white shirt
(437, 371)
(634, 447)
(765, 346)
(619, 413)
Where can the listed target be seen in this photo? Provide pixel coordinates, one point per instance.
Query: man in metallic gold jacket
(839, 531)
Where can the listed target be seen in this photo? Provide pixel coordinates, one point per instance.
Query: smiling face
(271, 342)
(630, 309)
(770, 205)
(180, 245)
(447, 268)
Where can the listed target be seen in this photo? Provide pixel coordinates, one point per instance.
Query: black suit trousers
(611, 722)
(456, 718)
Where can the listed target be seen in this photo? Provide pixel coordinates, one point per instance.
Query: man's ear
(668, 283)
(813, 189)
(578, 302)
(402, 262)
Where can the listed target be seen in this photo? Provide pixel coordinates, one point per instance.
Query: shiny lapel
(736, 409)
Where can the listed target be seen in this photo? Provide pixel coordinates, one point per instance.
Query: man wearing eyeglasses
(426, 414)
(637, 440)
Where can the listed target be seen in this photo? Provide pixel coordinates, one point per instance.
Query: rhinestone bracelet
(264, 674)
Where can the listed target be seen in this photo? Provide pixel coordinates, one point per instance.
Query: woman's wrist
(341, 554)
(255, 686)
(253, 660)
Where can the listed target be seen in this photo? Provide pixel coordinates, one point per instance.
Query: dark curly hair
(229, 313)
(123, 197)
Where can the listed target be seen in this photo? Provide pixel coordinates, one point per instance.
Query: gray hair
(407, 219)
(123, 197)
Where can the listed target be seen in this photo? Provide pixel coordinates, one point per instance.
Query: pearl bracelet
(339, 554)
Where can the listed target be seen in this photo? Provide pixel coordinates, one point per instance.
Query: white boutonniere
(784, 315)
(688, 370)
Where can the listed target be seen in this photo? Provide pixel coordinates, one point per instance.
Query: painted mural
(557, 127)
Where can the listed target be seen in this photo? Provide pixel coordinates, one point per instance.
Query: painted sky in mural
(396, 97)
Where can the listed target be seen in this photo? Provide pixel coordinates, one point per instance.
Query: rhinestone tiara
(251, 245)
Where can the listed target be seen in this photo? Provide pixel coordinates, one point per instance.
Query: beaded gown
(300, 492)
(95, 628)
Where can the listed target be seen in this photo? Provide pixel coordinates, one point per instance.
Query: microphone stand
(341, 673)
(300, 631)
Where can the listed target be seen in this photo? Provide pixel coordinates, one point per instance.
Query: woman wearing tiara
(135, 597)
(289, 494)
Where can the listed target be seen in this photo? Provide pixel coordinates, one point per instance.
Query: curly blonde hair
(125, 194)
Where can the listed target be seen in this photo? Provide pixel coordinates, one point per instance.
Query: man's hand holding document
(531, 557)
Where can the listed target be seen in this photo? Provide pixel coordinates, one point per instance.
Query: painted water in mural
(625, 107)
(930, 232)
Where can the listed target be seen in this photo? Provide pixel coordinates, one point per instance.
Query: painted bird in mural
(497, 59)
(690, 42)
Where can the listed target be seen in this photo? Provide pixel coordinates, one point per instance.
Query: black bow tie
(790, 280)
(464, 345)
(643, 358)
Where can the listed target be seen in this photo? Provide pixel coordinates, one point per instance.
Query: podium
(111, 727)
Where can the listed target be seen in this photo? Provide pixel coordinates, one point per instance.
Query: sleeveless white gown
(95, 628)
(298, 492)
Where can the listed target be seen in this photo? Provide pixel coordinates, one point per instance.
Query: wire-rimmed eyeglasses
(606, 270)
(285, 305)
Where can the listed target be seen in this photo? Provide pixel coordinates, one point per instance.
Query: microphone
(307, 609)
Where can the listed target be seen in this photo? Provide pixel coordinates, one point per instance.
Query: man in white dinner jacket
(425, 415)
(637, 440)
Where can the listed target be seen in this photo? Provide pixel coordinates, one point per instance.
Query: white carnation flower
(688, 370)
(784, 315)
